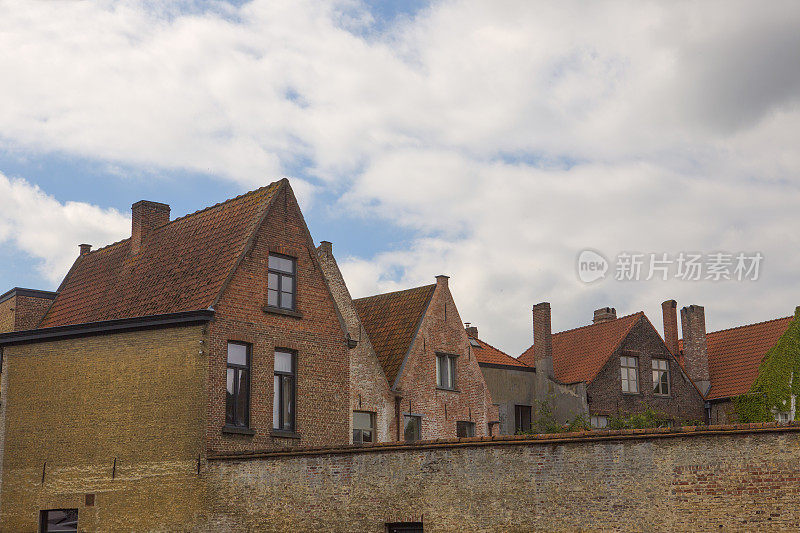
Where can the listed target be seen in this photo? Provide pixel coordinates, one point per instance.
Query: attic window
(474, 343)
(282, 276)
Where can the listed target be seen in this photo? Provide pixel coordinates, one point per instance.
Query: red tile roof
(391, 320)
(487, 353)
(183, 266)
(735, 354)
(579, 354)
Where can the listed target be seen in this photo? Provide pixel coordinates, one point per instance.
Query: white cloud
(508, 135)
(50, 231)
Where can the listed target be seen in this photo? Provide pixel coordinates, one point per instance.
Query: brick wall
(605, 392)
(22, 312)
(369, 389)
(317, 337)
(72, 406)
(442, 331)
(722, 480)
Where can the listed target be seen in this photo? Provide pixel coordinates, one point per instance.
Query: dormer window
(281, 288)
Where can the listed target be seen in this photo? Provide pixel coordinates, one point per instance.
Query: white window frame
(660, 367)
(599, 421)
(629, 373)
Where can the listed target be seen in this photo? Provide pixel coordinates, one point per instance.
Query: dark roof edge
(507, 367)
(106, 326)
(33, 293)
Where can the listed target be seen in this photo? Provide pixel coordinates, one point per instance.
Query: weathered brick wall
(30, 311)
(722, 412)
(684, 402)
(72, 406)
(323, 371)
(7, 318)
(369, 389)
(443, 331)
(718, 480)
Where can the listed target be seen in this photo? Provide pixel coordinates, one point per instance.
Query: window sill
(284, 434)
(631, 393)
(237, 430)
(280, 311)
(447, 390)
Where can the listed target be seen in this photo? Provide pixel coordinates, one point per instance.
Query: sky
(489, 141)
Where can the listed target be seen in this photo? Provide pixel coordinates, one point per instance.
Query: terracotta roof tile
(182, 266)
(579, 354)
(487, 353)
(735, 354)
(391, 321)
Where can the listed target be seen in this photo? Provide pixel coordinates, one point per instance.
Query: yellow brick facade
(75, 405)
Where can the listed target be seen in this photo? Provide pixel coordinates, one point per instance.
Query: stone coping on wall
(543, 438)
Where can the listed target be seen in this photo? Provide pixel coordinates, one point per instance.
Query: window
(522, 418)
(412, 428)
(474, 343)
(283, 393)
(446, 371)
(58, 520)
(404, 527)
(237, 408)
(782, 416)
(363, 427)
(630, 377)
(465, 429)
(281, 283)
(599, 422)
(660, 376)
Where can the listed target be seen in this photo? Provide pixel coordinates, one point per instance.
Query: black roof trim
(508, 367)
(106, 327)
(33, 293)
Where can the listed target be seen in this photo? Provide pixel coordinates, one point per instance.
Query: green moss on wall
(774, 386)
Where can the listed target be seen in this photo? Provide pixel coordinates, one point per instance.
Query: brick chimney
(669, 312)
(472, 331)
(146, 217)
(543, 338)
(325, 247)
(85, 248)
(604, 314)
(695, 353)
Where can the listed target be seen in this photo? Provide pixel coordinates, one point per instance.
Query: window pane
(439, 380)
(272, 282)
(451, 372)
(276, 403)
(665, 383)
(357, 439)
(281, 263)
(272, 298)
(237, 354)
(362, 420)
(287, 300)
(287, 283)
(366, 436)
(465, 429)
(230, 398)
(283, 362)
(411, 431)
(288, 403)
(241, 399)
(60, 520)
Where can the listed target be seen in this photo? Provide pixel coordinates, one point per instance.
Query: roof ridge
(749, 325)
(599, 323)
(248, 193)
(394, 292)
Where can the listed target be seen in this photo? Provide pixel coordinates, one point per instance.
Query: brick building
(624, 362)
(519, 391)
(437, 388)
(22, 309)
(726, 362)
(211, 333)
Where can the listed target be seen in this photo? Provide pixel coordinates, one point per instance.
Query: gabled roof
(579, 354)
(183, 266)
(485, 353)
(735, 354)
(392, 320)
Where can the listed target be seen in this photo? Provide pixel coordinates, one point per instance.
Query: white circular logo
(591, 266)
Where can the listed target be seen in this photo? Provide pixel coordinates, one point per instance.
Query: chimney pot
(604, 314)
(472, 331)
(146, 216)
(85, 248)
(669, 311)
